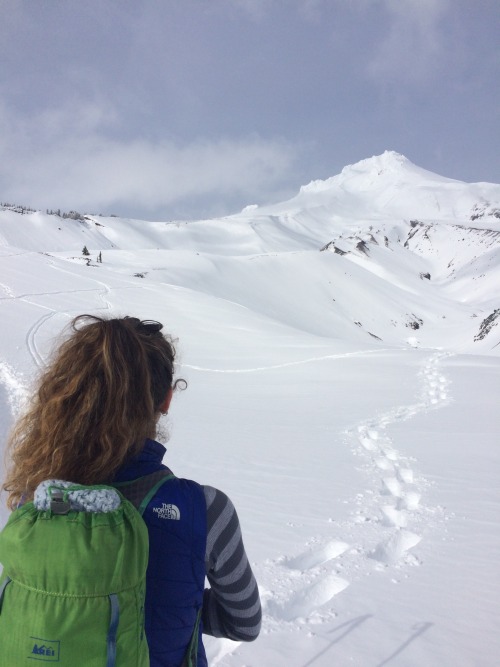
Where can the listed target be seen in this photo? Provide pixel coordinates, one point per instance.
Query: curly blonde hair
(96, 403)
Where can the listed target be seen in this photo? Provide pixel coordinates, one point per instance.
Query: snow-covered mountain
(342, 352)
(384, 251)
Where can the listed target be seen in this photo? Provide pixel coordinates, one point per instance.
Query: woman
(93, 421)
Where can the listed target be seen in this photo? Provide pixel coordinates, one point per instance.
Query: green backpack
(73, 585)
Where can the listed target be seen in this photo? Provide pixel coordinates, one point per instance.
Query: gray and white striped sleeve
(231, 606)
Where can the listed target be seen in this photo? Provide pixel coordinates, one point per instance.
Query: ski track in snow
(31, 339)
(15, 386)
(31, 334)
(387, 522)
(287, 364)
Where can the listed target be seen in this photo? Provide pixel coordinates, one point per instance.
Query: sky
(171, 109)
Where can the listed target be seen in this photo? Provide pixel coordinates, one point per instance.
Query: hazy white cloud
(411, 48)
(408, 35)
(65, 159)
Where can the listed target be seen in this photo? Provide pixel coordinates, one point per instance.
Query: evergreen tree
(85, 251)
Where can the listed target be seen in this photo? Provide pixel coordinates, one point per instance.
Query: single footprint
(218, 651)
(391, 454)
(394, 517)
(367, 443)
(392, 486)
(406, 475)
(410, 500)
(391, 551)
(311, 598)
(311, 559)
(383, 463)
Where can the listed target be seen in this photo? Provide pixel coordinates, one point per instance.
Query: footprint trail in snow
(384, 527)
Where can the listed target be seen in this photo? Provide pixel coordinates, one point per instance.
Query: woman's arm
(231, 607)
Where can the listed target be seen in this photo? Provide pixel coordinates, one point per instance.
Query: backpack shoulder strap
(140, 491)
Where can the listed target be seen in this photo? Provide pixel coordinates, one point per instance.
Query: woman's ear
(166, 403)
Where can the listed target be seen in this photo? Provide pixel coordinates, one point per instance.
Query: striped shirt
(231, 606)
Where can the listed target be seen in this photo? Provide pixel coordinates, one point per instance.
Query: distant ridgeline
(72, 215)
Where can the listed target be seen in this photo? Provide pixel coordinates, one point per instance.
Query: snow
(345, 402)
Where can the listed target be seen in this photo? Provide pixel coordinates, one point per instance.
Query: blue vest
(176, 517)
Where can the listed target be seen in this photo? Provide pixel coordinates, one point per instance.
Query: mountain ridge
(341, 259)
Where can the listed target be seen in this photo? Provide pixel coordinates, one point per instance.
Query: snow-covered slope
(342, 355)
(409, 257)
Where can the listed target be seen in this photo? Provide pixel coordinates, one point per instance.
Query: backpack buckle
(59, 503)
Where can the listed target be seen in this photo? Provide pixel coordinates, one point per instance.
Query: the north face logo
(44, 650)
(167, 512)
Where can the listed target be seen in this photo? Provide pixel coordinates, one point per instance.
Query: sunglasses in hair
(145, 326)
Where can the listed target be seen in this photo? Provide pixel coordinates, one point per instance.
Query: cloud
(70, 159)
(414, 42)
(405, 39)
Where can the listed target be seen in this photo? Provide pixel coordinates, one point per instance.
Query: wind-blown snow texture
(342, 352)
